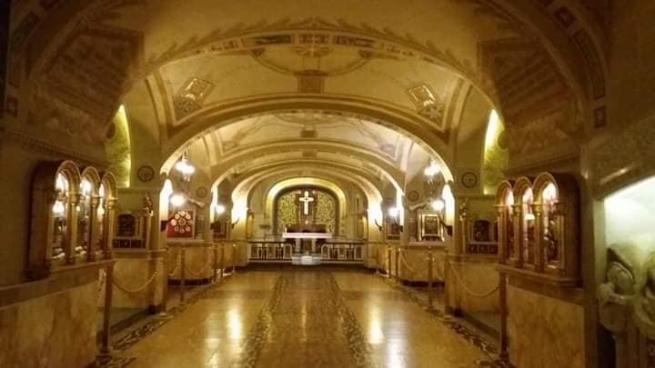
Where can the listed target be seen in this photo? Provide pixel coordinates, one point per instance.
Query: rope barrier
(411, 269)
(467, 289)
(177, 266)
(202, 271)
(139, 289)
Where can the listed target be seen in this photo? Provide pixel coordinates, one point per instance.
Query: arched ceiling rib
(365, 184)
(205, 64)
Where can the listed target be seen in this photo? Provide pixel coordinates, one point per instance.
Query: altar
(305, 243)
(306, 218)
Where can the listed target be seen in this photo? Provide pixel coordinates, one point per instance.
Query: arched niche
(556, 209)
(506, 237)
(87, 217)
(107, 197)
(544, 215)
(524, 223)
(53, 228)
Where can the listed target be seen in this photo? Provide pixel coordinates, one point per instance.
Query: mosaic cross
(306, 201)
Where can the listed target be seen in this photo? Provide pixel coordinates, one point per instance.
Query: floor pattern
(304, 318)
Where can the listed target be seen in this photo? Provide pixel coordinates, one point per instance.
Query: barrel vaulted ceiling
(249, 85)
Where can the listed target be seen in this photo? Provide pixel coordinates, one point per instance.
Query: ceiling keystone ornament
(311, 81)
(306, 133)
(428, 104)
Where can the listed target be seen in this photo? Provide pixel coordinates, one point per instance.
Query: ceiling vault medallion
(428, 104)
(191, 97)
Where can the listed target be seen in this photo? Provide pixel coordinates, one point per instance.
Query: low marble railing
(278, 250)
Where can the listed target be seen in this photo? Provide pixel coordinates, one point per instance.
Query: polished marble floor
(299, 317)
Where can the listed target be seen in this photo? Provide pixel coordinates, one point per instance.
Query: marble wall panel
(470, 290)
(413, 265)
(199, 263)
(57, 330)
(132, 275)
(543, 331)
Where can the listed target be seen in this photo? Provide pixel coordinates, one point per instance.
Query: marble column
(5, 7)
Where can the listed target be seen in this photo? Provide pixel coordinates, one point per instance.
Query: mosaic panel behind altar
(288, 210)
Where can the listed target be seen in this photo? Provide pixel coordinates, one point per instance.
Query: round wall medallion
(469, 179)
(145, 173)
(413, 196)
(201, 192)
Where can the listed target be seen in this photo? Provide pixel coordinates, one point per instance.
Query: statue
(630, 284)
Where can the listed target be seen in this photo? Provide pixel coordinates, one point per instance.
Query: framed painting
(219, 229)
(392, 230)
(181, 225)
(430, 226)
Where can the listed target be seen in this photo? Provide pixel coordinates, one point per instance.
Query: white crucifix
(306, 200)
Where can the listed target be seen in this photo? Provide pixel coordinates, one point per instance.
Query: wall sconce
(439, 205)
(393, 213)
(449, 228)
(377, 224)
(219, 210)
(239, 212)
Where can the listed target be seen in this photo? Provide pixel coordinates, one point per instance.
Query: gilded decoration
(290, 208)
(191, 97)
(429, 104)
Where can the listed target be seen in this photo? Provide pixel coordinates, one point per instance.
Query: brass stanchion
(215, 265)
(504, 342)
(389, 261)
(430, 265)
(379, 259)
(105, 349)
(447, 287)
(164, 277)
(234, 258)
(396, 262)
(222, 274)
(182, 272)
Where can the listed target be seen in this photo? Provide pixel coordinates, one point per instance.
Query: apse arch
(244, 188)
(221, 169)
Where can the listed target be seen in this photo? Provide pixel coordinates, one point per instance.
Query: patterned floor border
(118, 360)
(254, 342)
(469, 334)
(360, 349)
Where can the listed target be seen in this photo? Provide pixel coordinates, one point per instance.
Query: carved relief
(593, 61)
(538, 107)
(626, 156)
(82, 82)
